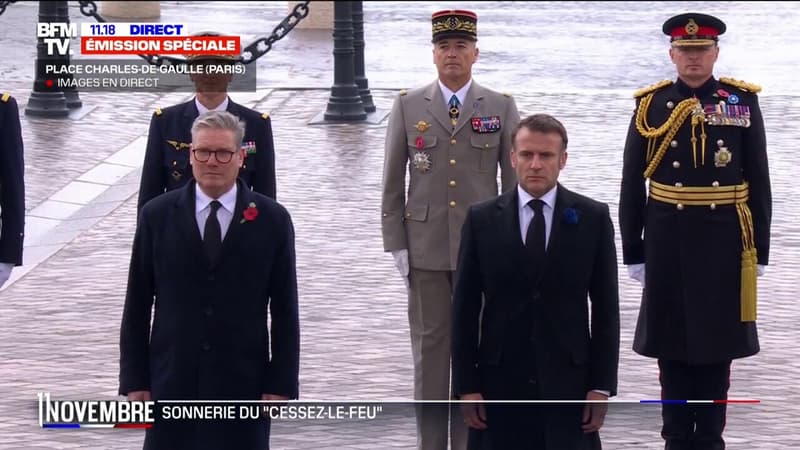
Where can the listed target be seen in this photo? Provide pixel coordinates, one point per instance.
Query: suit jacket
(166, 160)
(463, 170)
(210, 337)
(12, 184)
(691, 305)
(535, 329)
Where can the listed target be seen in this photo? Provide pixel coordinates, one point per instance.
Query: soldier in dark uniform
(166, 161)
(703, 233)
(12, 188)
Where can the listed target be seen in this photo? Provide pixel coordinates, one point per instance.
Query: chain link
(251, 53)
(261, 46)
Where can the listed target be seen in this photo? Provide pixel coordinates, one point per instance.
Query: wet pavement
(59, 315)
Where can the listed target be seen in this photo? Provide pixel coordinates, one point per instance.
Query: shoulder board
(652, 88)
(403, 92)
(265, 116)
(158, 111)
(743, 85)
(507, 94)
(5, 97)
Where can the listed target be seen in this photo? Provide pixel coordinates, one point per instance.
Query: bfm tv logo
(56, 36)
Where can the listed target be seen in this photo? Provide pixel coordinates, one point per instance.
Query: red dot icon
(49, 83)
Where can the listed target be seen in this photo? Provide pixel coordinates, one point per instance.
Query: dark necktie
(454, 104)
(212, 234)
(535, 239)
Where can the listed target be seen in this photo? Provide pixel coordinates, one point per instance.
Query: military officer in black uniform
(701, 228)
(12, 187)
(166, 162)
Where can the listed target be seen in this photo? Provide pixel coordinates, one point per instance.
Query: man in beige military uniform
(451, 135)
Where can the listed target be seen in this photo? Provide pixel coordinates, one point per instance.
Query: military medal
(422, 126)
(722, 157)
(725, 114)
(488, 124)
(421, 159)
(249, 147)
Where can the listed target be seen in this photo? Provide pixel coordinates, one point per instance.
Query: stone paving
(59, 315)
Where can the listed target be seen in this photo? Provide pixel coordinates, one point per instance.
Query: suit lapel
(511, 240)
(187, 222)
(437, 107)
(564, 200)
(243, 198)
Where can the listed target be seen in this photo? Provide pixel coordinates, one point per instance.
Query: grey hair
(219, 120)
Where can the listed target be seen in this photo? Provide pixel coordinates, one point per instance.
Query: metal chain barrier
(252, 52)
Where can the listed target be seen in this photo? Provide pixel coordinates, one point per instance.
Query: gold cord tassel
(749, 261)
(703, 142)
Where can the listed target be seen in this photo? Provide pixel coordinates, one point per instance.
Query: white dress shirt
(526, 212)
(202, 109)
(461, 94)
(202, 209)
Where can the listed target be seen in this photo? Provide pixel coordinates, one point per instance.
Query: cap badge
(691, 27)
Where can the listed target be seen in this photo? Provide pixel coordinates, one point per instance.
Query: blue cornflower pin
(570, 216)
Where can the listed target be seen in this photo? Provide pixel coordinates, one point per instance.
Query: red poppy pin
(723, 93)
(250, 213)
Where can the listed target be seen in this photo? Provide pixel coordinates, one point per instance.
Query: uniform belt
(722, 195)
(699, 195)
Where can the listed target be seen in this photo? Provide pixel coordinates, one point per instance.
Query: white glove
(636, 271)
(760, 269)
(401, 261)
(5, 272)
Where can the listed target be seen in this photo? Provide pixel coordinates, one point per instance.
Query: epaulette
(403, 92)
(265, 116)
(743, 85)
(507, 94)
(652, 88)
(5, 97)
(158, 111)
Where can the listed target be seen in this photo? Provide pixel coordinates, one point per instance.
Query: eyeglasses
(222, 156)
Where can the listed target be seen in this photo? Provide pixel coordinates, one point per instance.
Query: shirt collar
(202, 109)
(461, 93)
(549, 198)
(227, 199)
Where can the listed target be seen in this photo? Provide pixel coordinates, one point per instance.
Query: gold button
(387, 214)
(452, 204)
(670, 105)
(676, 164)
(486, 145)
(713, 206)
(452, 141)
(720, 142)
(673, 144)
(244, 166)
(680, 206)
(678, 184)
(715, 184)
(408, 214)
(174, 163)
(452, 183)
(452, 162)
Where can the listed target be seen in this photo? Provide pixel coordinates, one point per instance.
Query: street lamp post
(358, 47)
(345, 102)
(44, 100)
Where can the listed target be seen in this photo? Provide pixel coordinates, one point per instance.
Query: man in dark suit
(166, 160)
(12, 188)
(700, 226)
(214, 257)
(527, 263)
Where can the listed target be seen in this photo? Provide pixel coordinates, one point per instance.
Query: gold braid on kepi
(743, 85)
(454, 23)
